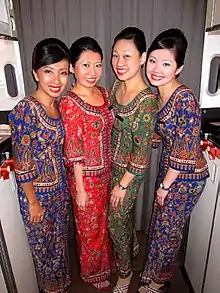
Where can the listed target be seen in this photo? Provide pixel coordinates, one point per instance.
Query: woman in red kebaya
(87, 119)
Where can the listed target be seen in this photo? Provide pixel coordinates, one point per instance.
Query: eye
(166, 63)
(152, 60)
(64, 73)
(86, 65)
(99, 65)
(47, 71)
(114, 56)
(127, 56)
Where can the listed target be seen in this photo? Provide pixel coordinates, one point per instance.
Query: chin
(90, 85)
(55, 95)
(122, 77)
(156, 83)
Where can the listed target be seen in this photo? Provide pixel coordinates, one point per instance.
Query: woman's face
(126, 60)
(161, 67)
(52, 79)
(88, 69)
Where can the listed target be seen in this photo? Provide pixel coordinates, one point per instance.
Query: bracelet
(163, 187)
(122, 187)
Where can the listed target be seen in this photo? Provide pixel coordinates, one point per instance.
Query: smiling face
(52, 79)
(161, 67)
(126, 59)
(87, 69)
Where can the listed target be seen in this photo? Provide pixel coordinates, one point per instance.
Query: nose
(92, 71)
(120, 62)
(156, 66)
(56, 78)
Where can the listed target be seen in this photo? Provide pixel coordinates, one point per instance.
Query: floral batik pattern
(131, 146)
(87, 142)
(166, 230)
(178, 127)
(37, 148)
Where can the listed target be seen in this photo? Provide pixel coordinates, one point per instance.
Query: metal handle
(213, 172)
(213, 12)
(218, 189)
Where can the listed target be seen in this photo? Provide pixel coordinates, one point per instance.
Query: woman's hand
(36, 212)
(117, 196)
(161, 195)
(82, 199)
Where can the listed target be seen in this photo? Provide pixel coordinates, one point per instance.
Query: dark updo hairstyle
(171, 39)
(83, 44)
(134, 34)
(49, 51)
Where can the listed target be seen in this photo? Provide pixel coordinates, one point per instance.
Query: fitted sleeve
(72, 118)
(142, 133)
(23, 120)
(185, 145)
(156, 140)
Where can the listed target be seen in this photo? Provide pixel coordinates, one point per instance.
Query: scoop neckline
(45, 112)
(133, 100)
(170, 98)
(90, 105)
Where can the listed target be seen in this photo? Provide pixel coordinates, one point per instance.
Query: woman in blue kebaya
(37, 137)
(183, 169)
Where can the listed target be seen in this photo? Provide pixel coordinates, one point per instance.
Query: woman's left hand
(117, 196)
(161, 195)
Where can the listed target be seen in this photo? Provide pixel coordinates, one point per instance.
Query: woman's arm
(170, 177)
(119, 191)
(23, 125)
(186, 142)
(142, 133)
(185, 145)
(72, 118)
(81, 195)
(35, 209)
(156, 140)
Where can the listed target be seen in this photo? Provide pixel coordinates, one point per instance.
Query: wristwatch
(122, 187)
(163, 187)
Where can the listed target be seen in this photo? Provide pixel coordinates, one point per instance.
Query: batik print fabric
(87, 142)
(178, 126)
(37, 148)
(131, 145)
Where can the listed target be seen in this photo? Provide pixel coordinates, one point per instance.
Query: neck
(84, 91)
(167, 90)
(134, 83)
(44, 99)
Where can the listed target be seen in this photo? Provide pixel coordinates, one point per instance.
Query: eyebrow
(97, 62)
(164, 60)
(50, 67)
(127, 50)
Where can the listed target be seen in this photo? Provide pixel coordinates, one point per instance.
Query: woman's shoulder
(148, 93)
(68, 95)
(184, 95)
(25, 110)
(184, 91)
(25, 104)
(70, 98)
(185, 101)
(116, 84)
(71, 104)
(26, 101)
(148, 97)
(103, 91)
